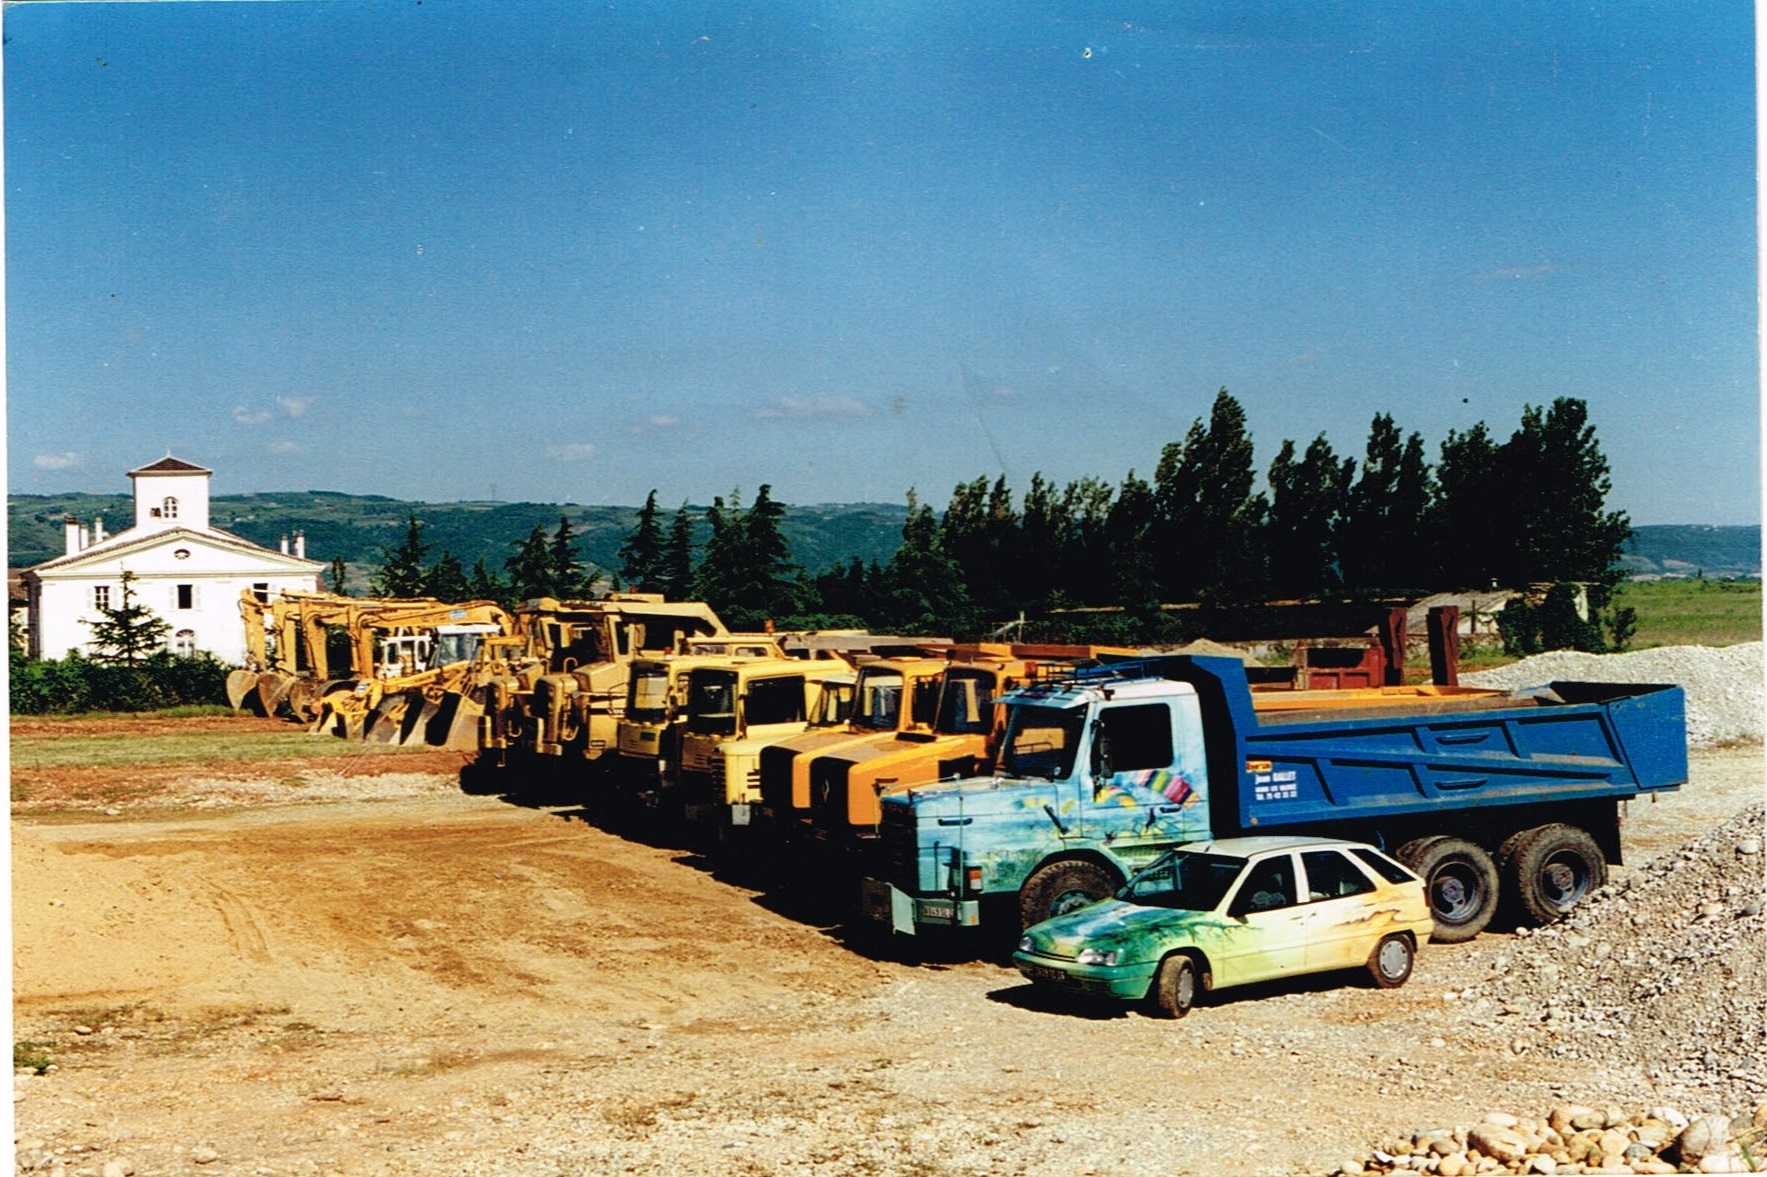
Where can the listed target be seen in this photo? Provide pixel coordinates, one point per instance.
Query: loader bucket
(420, 710)
(456, 725)
(303, 700)
(385, 723)
(273, 688)
(241, 687)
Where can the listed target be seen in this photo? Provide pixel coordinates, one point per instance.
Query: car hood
(1113, 923)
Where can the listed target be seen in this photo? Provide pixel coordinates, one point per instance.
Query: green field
(1693, 612)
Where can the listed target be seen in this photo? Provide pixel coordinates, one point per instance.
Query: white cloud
(655, 423)
(798, 408)
(296, 406)
(250, 417)
(284, 447)
(576, 451)
(61, 461)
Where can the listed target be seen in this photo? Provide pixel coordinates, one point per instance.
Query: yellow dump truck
(846, 783)
(648, 733)
(892, 696)
(749, 702)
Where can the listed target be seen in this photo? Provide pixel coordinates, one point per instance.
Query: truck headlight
(1024, 944)
(1094, 956)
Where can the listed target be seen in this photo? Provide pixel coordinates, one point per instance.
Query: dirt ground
(359, 968)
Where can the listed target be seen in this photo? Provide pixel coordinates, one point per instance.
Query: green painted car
(1210, 915)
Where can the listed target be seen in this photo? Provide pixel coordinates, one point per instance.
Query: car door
(1266, 928)
(1341, 926)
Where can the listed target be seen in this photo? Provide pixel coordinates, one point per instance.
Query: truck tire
(1460, 880)
(1175, 986)
(1551, 869)
(1390, 962)
(1062, 887)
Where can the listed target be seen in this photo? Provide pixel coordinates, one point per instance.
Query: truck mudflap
(886, 903)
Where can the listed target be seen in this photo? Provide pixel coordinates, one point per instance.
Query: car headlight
(1025, 944)
(1094, 956)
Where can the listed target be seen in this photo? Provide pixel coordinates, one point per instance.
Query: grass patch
(31, 1056)
(58, 751)
(1693, 612)
(182, 711)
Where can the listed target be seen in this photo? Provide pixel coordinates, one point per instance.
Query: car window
(1332, 876)
(1383, 866)
(1268, 885)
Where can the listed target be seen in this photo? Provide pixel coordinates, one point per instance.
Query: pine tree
(446, 581)
(562, 565)
(129, 632)
(338, 576)
(676, 572)
(485, 585)
(530, 569)
(1307, 502)
(401, 572)
(641, 556)
(1207, 513)
(921, 589)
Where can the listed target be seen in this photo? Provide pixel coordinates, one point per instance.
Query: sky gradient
(456, 250)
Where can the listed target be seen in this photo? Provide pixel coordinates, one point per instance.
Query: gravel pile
(1724, 697)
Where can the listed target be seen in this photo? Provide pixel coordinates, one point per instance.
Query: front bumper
(1124, 982)
(888, 904)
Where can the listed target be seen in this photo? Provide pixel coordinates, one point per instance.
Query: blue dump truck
(1491, 797)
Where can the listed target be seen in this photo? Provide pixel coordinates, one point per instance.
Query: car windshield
(1185, 880)
(1040, 740)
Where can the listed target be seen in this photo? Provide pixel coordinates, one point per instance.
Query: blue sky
(562, 252)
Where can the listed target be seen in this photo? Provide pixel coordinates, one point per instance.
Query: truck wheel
(1175, 986)
(1551, 869)
(1390, 962)
(1062, 887)
(1460, 880)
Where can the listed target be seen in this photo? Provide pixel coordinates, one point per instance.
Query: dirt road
(396, 977)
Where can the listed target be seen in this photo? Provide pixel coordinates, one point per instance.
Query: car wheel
(1461, 882)
(1390, 962)
(1175, 986)
(1553, 868)
(1062, 887)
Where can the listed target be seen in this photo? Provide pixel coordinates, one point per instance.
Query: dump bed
(1560, 742)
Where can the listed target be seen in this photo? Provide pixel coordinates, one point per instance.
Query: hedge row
(75, 683)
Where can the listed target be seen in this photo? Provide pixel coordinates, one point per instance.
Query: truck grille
(900, 850)
(776, 765)
(828, 793)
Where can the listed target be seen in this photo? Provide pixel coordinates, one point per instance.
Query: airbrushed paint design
(1321, 936)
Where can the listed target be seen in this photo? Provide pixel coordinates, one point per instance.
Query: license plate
(1042, 972)
(939, 911)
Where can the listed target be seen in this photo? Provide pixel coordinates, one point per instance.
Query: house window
(187, 596)
(261, 591)
(184, 643)
(169, 508)
(101, 596)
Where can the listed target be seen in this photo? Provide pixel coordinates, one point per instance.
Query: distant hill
(1688, 550)
(360, 527)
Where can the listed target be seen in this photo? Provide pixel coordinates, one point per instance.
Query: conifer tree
(676, 571)
(401, 572)
(562, 564)
(641, 555)
(530, 568)
(446, 580)
(128, 632)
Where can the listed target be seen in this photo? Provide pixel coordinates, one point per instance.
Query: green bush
(77, 683)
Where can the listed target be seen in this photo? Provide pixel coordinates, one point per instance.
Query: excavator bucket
(455, 725)
(420, 710)
(303, 700)
(273, 688)
(241, 688)
(385, 723)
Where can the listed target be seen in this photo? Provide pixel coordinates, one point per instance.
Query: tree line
(1485, 513)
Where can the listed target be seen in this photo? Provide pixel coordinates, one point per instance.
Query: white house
(189, 573)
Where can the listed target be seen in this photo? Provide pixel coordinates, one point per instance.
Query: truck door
(1142, 799)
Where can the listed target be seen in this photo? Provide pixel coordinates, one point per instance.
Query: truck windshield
(649, 700)
(966, 703)
(774, 700)
(1183, 879)
(1040, 741)
(711, 702)
(835, 704)
(880, 699)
